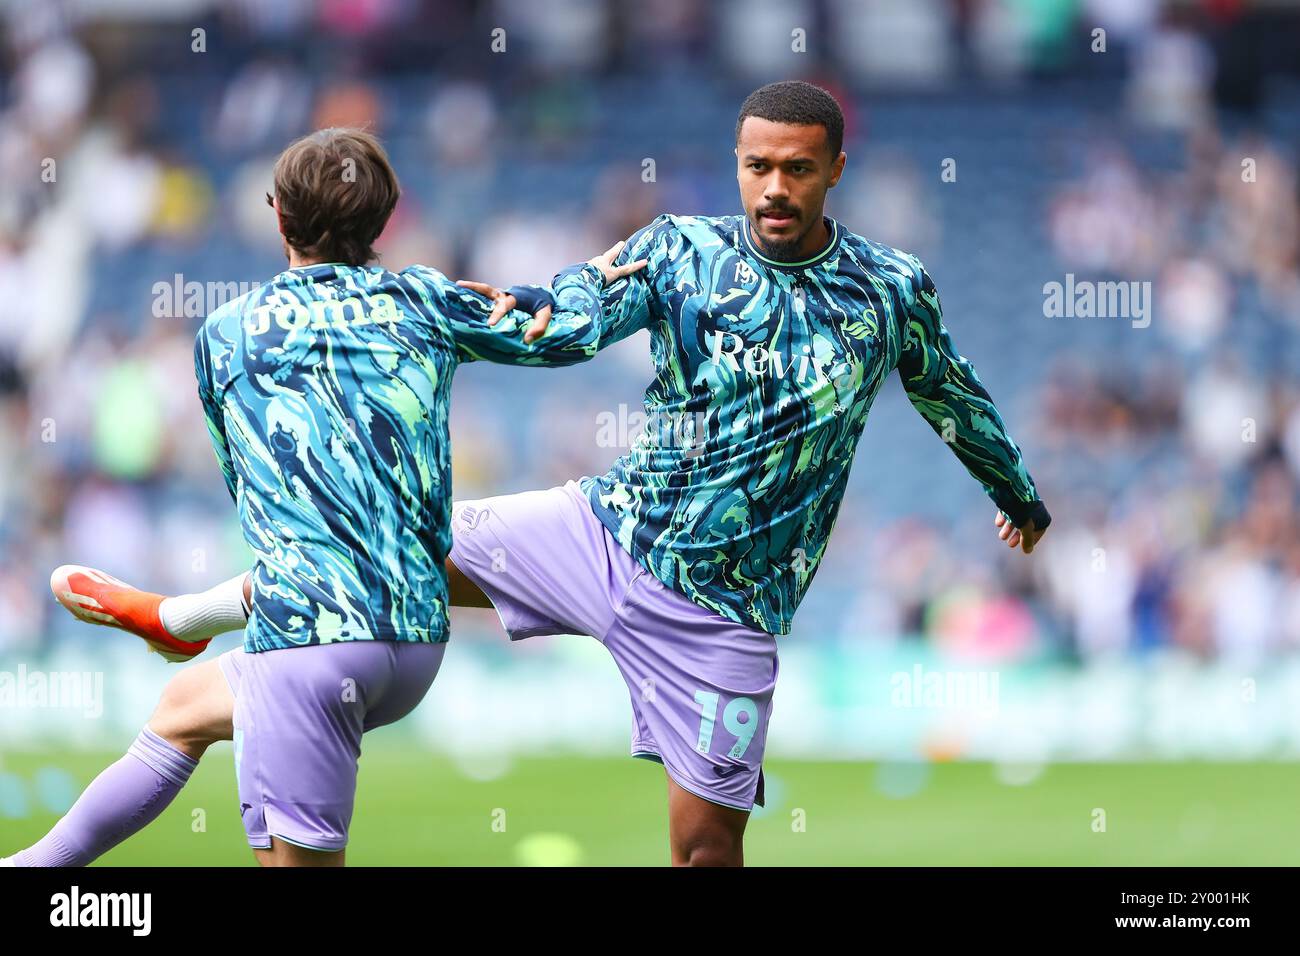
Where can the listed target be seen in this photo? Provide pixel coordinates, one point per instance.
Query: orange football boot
(99, 598)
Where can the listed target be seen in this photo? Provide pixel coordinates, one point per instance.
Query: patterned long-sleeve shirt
(766, 371)
(326, 393)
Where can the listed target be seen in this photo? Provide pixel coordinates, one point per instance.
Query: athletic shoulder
(424, 275)
(902, 270)
(668, 235)
(223, 322)
(434, 296)
(216, 345)
(706, 232)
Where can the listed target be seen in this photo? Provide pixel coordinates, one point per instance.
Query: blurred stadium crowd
(135, 151)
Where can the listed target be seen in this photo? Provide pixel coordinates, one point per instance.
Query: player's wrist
(1023, 512)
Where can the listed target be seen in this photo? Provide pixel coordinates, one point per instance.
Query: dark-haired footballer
(774, 331)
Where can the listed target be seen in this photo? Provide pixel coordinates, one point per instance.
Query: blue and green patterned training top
(326, 393)
(765, 373)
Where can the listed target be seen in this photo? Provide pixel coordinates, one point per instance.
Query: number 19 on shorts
(739, 718)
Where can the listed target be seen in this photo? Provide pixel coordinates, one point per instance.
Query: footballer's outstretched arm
(532, 325)
(586, 308)
(943, 387)
(593, 305)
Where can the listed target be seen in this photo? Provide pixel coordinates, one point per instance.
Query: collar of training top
(816, 260)
(317, 271)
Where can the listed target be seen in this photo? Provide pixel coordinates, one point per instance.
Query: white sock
(197, 617)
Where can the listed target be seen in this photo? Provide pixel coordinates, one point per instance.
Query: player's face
(784, 171)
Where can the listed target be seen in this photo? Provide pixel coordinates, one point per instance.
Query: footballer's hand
(1025, 538)
(612, 273)
(503, 302)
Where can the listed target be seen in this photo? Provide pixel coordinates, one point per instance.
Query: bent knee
(193, 712)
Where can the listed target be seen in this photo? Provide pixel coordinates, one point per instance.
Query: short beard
(782, 250)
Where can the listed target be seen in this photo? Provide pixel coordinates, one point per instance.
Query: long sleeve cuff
(1022, 512)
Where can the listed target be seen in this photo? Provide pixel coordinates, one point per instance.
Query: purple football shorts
(299, 716)
(701, 685)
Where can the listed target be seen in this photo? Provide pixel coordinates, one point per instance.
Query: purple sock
(123, 799)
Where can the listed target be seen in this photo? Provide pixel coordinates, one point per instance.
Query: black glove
(531, 298)
(1023, 512)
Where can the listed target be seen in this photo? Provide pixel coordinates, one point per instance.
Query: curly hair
(798, 103)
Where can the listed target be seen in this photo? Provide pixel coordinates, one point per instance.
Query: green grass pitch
(414, 808)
